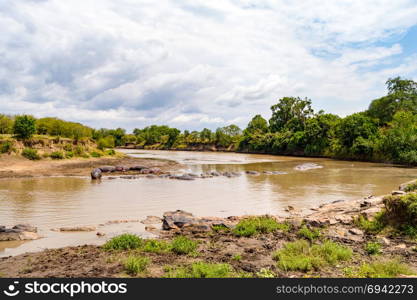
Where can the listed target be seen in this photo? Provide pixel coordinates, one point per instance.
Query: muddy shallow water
(72, 201)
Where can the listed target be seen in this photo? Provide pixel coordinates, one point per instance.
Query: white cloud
(196, 63)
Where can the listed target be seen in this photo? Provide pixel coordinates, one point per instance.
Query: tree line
(386, 131)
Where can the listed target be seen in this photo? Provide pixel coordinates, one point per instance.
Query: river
(54, 202)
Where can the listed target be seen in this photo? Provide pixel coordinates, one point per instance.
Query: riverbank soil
(17, 167)
(330, 242)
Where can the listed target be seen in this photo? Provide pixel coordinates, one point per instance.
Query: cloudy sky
(198, 63)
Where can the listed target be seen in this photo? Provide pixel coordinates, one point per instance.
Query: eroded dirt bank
(329, 242)
(17, 167)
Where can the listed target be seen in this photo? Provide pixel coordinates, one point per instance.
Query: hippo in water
(96, 174)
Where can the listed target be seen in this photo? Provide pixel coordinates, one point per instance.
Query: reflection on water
(69, 201)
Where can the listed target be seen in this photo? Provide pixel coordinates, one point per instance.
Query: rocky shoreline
(253, 255)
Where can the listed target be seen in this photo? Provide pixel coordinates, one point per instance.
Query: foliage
(290, 113)
(58, 127)
(401, 210)
(106, 142)
(373, 248)
(183, 245)
(380, 269)
(124, 242)
(6, 147)
(255, 225)
(201, 270)
(155, 246)
(6, 124)
(24, 126)
(265, 273)
(136, 264)
(372, 226)
(31, 154)
(302, 256)
(57, 155)
(309, 234)
(95, 154)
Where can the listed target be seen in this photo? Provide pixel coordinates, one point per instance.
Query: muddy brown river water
(72, 201)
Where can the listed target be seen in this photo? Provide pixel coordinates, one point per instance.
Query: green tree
(257, 125)
(24, 126)
(290, 113)
(402, 95)
(6, 124)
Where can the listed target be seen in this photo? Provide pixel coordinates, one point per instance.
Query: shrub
(255, 225)
(183, 245)
(110, 152)
(201, 270)
(155, 246)
(78, 150)
(310, 234)
(385, 269)
(69, 154)
(31, 154)
(299, 255)
(24, 126)
(373, 248)
(6, 147)
(124, 242)
(372, 226)
(67, 147)
(401, 210)
(106, 142)
(95, 154)
(57, 155)
(411, 187)
(136, 264)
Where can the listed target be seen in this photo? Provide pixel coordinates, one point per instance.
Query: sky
(198, 63)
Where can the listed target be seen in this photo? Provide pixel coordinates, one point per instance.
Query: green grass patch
(265, 273)
(155, 246)
(380, 269)
(183, 245)
(6, 147)
(309, 234)
(201, 270)
(95, 154)
(31, 154)
(411, 187)
(124, 242)
(256, 225)
(220, 228)
(373, 248)
(372, 226)
(110, 152)
(302, 256)
(237, 257)
(57, 155)
(134, 265)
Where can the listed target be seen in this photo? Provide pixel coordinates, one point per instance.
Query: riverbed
(53, 202)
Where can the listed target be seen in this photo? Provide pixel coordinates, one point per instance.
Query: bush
(67, 147)
(78, 151)
(401, 210)
(6, 147)
(310, 234)
(106, 142)
(95, 154)
(24, 126)
(31, 154)
(372, 226)
(136, 264)
(255, 225)
(373, 248)
(201, 270)
(124, 242)
(385, 269)
(183, 245)
(57, 155)
(69, 154)
(110, 152)
(411, 187)
(299, 255)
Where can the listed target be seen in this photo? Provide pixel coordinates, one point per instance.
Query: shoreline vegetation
(386, 132)
(370, 238)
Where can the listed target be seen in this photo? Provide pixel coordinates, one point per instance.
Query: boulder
(396, 193)
(96, 174)
(177, 219)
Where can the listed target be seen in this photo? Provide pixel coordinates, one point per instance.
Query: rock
(192, 175)
(252, 172)
(355, 231)
(96, 174)
(182, 177)
(295, 222)
(78, 228)
(99, 233)
(383, 241)
(151, 220)
(106, 169)
(307, 166)
(404, 186)
(176, 219)
(152, 229)
(395, 193)
(401, 246)
(138, 168)
(20, 232)
(155, 170)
